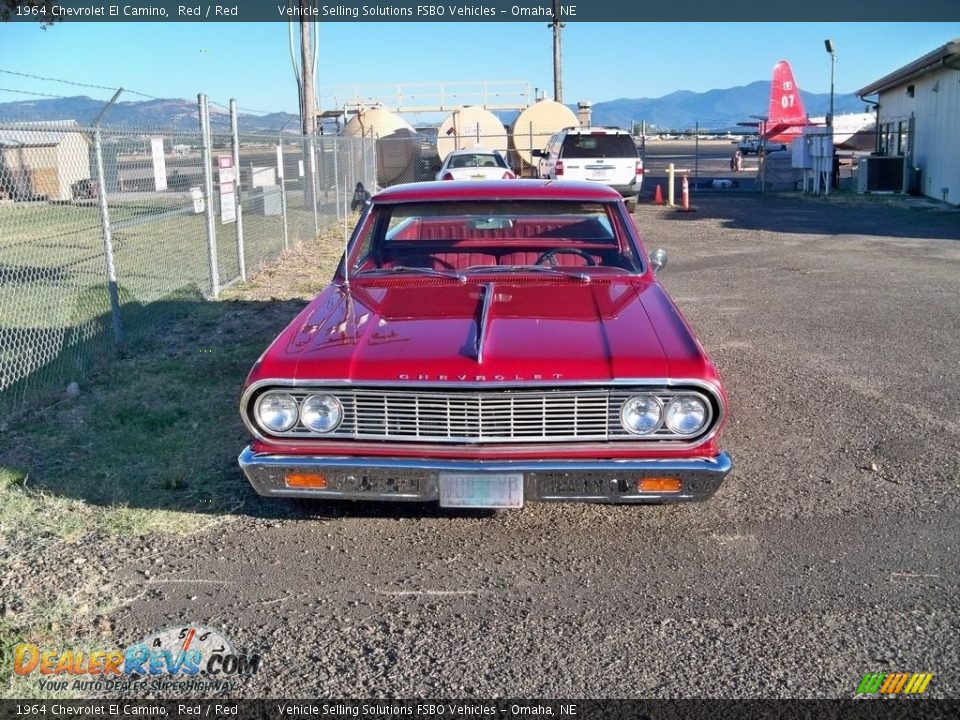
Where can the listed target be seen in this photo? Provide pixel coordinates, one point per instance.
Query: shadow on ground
(840, 214)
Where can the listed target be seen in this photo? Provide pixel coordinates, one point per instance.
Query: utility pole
(306, 63)
(557, 70)
(309, 112)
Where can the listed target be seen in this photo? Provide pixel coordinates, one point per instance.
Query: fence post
(112, 288)
(241, 259)
(353, 177)
(313, 185)
(283, 194)
(372, 169)
(696, 152)
(208, 191)
(336, 178)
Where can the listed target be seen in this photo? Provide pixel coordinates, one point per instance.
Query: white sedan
(475, 163)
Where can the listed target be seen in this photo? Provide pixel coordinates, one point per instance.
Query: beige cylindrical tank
(469, 126)
(534, 126)
(398, 145)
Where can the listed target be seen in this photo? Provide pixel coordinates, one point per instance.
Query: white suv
(595, 154)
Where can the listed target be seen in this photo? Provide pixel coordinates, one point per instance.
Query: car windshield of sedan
(473, 160)
(491, 236)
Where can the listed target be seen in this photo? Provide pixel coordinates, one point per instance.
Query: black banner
(862, 709)
(485, 11)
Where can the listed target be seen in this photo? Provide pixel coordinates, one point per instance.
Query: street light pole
(828, 44)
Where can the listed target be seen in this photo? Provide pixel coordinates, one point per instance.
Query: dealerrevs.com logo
(192, 657)
(894, 683)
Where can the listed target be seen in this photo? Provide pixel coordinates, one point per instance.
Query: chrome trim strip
(700, 477)
(711, 389)
(487, 417)
(483, 322)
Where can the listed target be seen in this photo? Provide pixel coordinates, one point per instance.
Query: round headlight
(686, 415)
(277, 412)
(641, 414)
(321, 413)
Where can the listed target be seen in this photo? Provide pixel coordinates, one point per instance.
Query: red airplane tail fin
(786, 107)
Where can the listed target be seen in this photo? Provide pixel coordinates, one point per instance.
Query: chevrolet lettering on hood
(486, 344)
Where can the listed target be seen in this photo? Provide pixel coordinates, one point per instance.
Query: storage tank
(398, 146)
(534, 126)
(469, 126)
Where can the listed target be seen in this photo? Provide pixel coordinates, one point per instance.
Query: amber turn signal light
(304, 480)
(659, 485)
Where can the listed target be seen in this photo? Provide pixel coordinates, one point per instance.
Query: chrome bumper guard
(418, 480)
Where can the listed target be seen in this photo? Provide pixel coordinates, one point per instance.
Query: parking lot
(831, 550)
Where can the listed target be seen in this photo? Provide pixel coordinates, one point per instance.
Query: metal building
(919, 120)
(42, 164)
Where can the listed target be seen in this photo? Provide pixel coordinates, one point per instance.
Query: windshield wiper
(530, 268)
(451, 274)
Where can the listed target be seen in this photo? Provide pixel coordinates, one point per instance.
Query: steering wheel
(549, 257)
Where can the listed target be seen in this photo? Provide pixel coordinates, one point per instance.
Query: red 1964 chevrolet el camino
(484, 344)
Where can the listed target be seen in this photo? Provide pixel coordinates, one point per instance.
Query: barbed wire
(244, 109)
(77, 84)
(111, 89)
(27, 92)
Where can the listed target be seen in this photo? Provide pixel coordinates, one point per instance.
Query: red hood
(426, 330)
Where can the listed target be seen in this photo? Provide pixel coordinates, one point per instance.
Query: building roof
(23, 134)
(944, 56)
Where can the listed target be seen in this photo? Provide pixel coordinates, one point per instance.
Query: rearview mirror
(658, 259)
(536, 153)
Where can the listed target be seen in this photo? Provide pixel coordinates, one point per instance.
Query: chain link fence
(102, 230)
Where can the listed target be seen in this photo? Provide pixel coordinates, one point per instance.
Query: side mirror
(536, 153)
(658, 259)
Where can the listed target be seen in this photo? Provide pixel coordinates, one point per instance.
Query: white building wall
(73, 162)
(935, 106)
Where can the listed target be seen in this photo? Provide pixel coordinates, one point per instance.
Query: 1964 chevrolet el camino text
(484, 344)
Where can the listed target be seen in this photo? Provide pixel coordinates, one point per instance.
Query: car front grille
(516, 415)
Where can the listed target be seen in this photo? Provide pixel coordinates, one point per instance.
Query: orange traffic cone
(658, 196)
(685, 195)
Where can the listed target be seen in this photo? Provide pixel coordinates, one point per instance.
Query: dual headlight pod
(683, 415)
(278, 412)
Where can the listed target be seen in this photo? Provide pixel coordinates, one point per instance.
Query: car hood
(435, 330)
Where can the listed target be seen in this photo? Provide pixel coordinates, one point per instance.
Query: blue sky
(601, 61)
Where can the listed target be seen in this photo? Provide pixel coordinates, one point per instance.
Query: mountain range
(681, 110)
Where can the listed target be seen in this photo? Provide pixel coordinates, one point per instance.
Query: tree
(42, 10)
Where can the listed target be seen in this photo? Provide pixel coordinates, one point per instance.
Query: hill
(177, 114)
(681, 110)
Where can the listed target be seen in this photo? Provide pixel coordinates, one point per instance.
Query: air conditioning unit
(880, 173)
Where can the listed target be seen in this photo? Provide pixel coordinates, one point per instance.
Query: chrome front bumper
(418, 480)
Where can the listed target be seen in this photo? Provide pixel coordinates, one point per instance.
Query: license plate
(599, 175)
(481, 491)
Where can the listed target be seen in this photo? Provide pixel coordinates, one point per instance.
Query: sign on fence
(228, 188)
(159, 164)
(198, 205)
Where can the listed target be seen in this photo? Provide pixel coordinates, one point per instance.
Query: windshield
(604, 145)
(474, 160)
(471, 236)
